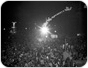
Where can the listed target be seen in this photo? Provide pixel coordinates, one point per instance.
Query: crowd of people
(54, 54)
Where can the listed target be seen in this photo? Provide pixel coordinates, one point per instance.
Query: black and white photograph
(44, 34)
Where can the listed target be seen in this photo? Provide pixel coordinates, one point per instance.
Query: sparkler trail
(50, 19)
(45, 30)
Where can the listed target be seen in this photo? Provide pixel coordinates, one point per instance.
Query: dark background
(27, 13)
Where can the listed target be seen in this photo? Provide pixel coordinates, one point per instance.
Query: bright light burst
(44, 30)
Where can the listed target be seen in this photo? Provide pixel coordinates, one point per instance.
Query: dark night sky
(28, 13)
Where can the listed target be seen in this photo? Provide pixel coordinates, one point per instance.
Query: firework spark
(45, 30)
